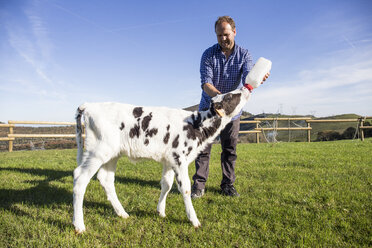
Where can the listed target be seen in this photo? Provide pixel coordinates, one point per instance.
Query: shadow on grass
(129, 180)
(40, 195)
(214, 190)
(43, 193)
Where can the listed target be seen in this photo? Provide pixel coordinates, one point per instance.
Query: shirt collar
(235, 48)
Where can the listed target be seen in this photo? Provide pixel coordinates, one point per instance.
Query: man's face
(225, 36)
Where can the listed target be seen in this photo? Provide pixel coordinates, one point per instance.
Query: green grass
(292, 194)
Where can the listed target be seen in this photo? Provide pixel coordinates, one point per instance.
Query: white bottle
(259, 70)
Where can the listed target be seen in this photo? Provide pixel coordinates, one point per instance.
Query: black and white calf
(172, 137)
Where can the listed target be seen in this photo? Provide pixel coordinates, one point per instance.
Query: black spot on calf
(178, 181)
(122, 126)
(202, 133)
(175, 141)
(166, 138)
(211, 130)
(230, 101)
(212, 110)
(146, 121)
(135, 131)
(176, 158)
(151, 132)
(189, 150)
(137, 112)
(196, 121)
(192, 133)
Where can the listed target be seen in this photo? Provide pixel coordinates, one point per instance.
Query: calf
(170, 136)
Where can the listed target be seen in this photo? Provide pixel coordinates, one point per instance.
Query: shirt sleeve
(206, 69)
(247, 66)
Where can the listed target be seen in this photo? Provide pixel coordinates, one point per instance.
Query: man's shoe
(229, 190)
(196, 193)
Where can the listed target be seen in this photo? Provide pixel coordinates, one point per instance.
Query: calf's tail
(79, 134)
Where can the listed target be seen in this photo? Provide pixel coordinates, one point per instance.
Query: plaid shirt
(225, 75)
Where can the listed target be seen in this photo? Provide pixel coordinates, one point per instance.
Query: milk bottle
(259, 70)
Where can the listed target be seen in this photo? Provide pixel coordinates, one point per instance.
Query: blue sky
(57, 54)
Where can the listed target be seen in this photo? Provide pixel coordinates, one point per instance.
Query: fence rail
(335, 120)
(12, 136)
(42, 123)
(257, 130)
(308, 120)
(283, 119)
(41, 135)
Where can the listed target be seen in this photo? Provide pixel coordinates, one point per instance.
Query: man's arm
(206, 75)
(210, 90)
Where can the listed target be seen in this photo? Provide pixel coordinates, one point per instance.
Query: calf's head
(230, 104)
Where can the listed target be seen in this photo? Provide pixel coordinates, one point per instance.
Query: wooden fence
(257, 130)
(12, 136)
(308, 128)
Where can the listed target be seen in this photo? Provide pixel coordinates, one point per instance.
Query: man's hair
(227, 19)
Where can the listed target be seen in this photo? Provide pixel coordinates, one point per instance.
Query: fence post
(361, 129)
(257, 135)
(309, 132)
(10, 141)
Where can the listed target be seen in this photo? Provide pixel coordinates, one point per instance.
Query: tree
(367, 132)
(328, 135)
(349, 133)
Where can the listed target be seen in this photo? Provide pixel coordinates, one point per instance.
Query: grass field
(292, 194)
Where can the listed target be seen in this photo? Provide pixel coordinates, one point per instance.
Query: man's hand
(210, 90)
(265, 77)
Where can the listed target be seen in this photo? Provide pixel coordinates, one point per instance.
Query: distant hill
(343, 116)
(192, 108)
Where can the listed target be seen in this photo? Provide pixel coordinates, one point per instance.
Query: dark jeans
(229, 140)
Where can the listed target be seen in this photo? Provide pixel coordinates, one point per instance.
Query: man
(223, 68)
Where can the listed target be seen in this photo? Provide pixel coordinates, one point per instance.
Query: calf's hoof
(79, 231)
(124, 215)
(161, 214)
(196, 224)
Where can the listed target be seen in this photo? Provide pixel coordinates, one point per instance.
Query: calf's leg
(166, 185)
(92, 161)
(184, 186)
(106, 176)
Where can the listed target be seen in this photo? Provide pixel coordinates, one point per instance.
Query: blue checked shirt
(225, 75)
